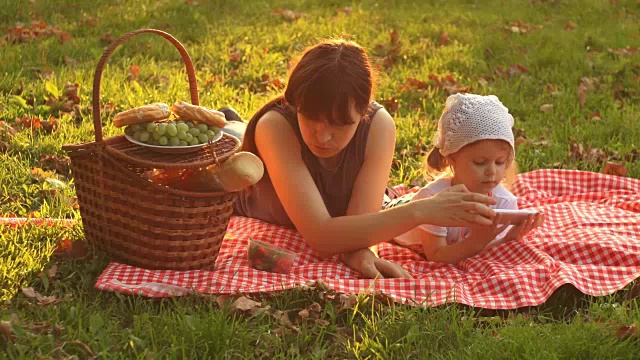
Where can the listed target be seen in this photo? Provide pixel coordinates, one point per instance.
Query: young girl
(475, 142)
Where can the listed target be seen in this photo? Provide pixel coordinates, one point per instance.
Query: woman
(327, 149)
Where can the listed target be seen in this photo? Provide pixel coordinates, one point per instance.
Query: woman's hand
(532, 222)
(457, 206)
(371, 266)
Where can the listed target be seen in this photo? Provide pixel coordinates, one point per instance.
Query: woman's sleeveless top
(335, 185)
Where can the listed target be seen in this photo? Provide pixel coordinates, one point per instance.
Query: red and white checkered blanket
(591, 239)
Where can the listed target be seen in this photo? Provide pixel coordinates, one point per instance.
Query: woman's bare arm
(280, 150)
(371, 182)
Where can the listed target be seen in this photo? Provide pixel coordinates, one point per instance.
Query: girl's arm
(436, 247)
(279, 149)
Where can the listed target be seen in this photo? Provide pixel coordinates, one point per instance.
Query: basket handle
(193, 86)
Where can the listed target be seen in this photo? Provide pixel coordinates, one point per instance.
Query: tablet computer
(514, 217)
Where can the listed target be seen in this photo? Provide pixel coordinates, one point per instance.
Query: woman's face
(326, 140)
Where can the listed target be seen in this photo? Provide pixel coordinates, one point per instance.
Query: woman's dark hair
(329, 78)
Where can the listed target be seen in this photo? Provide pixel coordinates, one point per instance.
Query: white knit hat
(468, 118)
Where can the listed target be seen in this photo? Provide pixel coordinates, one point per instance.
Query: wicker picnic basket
(135, 221)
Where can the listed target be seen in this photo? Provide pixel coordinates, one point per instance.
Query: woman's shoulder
(273, 120)
(379, 121)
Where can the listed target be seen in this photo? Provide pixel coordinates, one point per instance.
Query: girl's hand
(532, 222)
(481, 236)
(371, 266)
(457, 206)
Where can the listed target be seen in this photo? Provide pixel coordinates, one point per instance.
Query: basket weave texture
(135, 221)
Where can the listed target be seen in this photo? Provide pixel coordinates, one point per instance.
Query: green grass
(481, 42)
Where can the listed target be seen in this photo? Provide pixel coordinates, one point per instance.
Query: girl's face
(481, 165)
(326, 140)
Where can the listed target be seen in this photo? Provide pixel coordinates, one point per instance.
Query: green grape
(190, 124)
(151, 127)
(171, 122)
(182, 134)
(156, 135)
(174, 141)
(211, 134)
(188, 137)
(162, 128)
(183, 143)
(203, 127)
(203, 138)
(182, 127)
(129, 130)
(194, 131)
(194, 141)
(144, 136)
(137, 127)
(163, 140)
(136, 135)
(172, 130)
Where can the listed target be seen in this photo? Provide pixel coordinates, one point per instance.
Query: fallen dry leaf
(287, 14)
(444, 39)
(511, 70)
(6, 331)
(134, 72)
(303, 314)
(244, 304)
(570, 26)
(582, 94)
(394, 36)
(628, 50)
(71, 249)
(626, 332)
(383, 298)
(4, 147)
(613, 168)
(49, 300)
(31, 293)
(83, 346)
(520, 27)
(53, 162)
(106, 38)
(596, 155)
(634, 292)
(391, 104)
(519, 141)
(69, 61)
(42, 300)
(553, 90)
(346, 10)
(594, 116)
(546, 108)
(449, 84)
(38, 30)
(50, 272)
(234, 57)
(347, 301)
(222, 300)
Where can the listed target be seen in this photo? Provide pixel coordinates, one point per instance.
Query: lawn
(568, 71)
